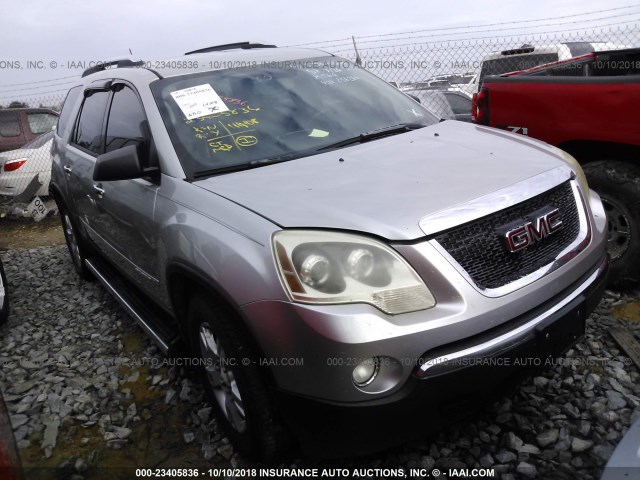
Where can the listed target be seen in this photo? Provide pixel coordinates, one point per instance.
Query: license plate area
(562, 330)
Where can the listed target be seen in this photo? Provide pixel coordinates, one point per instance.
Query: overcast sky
(62, 32)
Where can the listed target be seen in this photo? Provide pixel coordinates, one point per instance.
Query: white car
(26, 172)
(446, 104)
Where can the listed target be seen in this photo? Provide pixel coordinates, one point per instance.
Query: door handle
(67, 169)
(98, 189)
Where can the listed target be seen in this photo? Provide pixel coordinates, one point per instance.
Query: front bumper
(449, 390)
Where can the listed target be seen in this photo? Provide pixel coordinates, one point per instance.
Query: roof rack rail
(125, 63)
(231, 46)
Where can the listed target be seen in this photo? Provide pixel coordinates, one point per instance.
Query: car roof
(241, 57)
(207, 61)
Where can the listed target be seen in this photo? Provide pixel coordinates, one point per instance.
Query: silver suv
(343, 268)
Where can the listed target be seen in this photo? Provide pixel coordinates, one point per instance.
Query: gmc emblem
(521, 234)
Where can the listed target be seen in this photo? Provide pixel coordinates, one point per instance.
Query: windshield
(226, 118)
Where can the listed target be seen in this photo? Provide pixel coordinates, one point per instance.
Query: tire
(618, 184)
(238, 391)
(79, 250)
(4, 296)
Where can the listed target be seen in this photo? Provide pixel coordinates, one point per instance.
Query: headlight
(331, 267)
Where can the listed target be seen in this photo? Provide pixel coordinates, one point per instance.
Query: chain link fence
(26, 132)
(410, 61)
(441, 74)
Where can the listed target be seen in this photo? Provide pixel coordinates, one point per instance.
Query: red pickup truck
(589, 106)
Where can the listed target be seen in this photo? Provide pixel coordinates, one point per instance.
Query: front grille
(479, 250)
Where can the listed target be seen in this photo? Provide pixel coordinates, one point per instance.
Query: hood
(386, 186)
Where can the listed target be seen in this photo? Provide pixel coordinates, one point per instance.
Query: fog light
(366, 372)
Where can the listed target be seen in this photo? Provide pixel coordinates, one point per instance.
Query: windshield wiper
(372, 135)
(363, 137)
(220, 170)
(247, 166)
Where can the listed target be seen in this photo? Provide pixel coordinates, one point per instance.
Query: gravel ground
(20, 233)
(87, 390)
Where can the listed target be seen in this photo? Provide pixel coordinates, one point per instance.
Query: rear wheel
(234, 381)
(78, 249)
(618, 184)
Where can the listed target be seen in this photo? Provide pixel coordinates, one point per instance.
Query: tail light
(14, 165)
(480, 107)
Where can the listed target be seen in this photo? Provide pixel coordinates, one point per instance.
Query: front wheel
(618, 184)
(234, 381)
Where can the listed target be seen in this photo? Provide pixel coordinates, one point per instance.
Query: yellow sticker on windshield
(318, 133)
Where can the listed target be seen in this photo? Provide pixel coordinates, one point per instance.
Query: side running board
(153, 320)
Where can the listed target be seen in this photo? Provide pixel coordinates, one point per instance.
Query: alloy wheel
(70, 234)
(222, 379)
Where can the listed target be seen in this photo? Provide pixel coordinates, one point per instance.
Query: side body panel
(557, 109)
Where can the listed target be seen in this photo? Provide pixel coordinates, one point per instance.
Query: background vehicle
(4, 296)
(461, 82)
(529, 56)
(336, 261)
(19, 126)
(26, 172)
(588, 107)
(447, 104)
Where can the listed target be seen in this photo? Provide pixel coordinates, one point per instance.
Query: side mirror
(121, 164)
